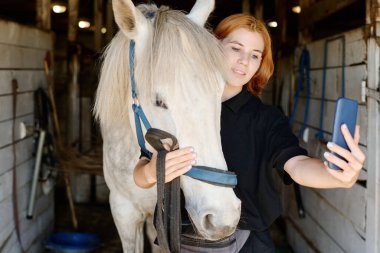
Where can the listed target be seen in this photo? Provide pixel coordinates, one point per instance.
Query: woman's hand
(177, 162)
(350, 170)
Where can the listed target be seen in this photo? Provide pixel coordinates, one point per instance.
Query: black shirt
(255, 139)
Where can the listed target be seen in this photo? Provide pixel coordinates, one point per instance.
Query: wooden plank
(354, 75)
(24, 36)
(14, 57)
(6, 217)
(25, 105)
(373, 184)
(6, 129)
(6, 185)
(73, 19)
(321, 10)
(297, 241)
(12, 244)
(259, 9)
(312, 237)
(24, 151)
(330, 221)
(43, 14)
(351, 203)
(28, 80)
(24, 173)
(355, 53)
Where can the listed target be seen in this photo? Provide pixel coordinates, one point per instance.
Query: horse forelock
(181, 54)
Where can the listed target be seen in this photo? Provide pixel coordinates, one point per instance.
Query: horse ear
(201, 10)
(129, 19)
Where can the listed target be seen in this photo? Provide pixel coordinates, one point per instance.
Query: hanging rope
(304, 70)
(319, 135)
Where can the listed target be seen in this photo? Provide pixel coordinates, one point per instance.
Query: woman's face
(243, 51)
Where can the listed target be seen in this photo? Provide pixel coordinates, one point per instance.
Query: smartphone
(346, 112)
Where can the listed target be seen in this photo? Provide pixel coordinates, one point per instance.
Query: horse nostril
(207, 222)
(210, 223)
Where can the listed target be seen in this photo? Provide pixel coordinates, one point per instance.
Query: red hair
(265, 71)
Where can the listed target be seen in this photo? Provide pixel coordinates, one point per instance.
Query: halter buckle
(136, 101)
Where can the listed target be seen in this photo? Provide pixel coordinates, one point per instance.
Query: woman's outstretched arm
(315, 173)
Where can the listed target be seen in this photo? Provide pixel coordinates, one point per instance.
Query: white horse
(179, 64)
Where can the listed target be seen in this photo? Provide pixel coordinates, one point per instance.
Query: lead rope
(168, 212)
(14, 183)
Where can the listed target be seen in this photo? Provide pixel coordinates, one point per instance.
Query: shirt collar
(238, 101)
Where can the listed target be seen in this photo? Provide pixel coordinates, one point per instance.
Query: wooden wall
(22, 51)
(336, 219)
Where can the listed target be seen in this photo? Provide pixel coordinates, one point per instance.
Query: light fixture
(272, 24)
(103, 30)
(58, 8)
(296, 9)
(84, 24)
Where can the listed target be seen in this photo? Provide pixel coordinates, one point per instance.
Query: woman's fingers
(353, 144)
(178, 166)
(346, 154)
(176, 173)
(177, 162)
(179, 156)
(348, 177)
(357, 134)
(179, 152)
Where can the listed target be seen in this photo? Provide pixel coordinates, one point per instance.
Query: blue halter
(206, 174)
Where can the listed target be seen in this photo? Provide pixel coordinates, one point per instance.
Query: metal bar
(36, 173)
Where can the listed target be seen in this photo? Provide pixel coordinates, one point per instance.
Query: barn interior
(57, 45)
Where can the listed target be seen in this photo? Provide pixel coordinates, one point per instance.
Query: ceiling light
(272, 24)
(58, 8)
(103, 30)
(84, 24)
(296, 9)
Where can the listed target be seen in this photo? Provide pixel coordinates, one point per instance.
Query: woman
(256, 137)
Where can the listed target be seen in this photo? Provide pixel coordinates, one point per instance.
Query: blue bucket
(69, 242)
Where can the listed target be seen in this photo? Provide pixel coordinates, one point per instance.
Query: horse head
(179, 75)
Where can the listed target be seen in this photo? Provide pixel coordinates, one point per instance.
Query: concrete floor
(92, 218)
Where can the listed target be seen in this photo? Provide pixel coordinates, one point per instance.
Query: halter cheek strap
(137, 109)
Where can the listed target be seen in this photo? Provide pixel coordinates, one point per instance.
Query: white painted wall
(22, 51)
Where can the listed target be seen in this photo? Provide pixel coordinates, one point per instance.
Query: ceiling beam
(320, 10)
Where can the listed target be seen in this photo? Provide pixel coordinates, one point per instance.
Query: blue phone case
(345, 113)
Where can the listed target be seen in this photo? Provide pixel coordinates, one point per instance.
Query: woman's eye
(255, 57)
(235, 49)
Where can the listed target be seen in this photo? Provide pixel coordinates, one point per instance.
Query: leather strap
(14, 183)
(168, 212)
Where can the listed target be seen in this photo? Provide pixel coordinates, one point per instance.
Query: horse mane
(178, 53)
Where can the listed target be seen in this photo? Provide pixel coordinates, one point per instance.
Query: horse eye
(161, 104)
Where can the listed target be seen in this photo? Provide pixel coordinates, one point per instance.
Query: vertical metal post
(36, 173)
